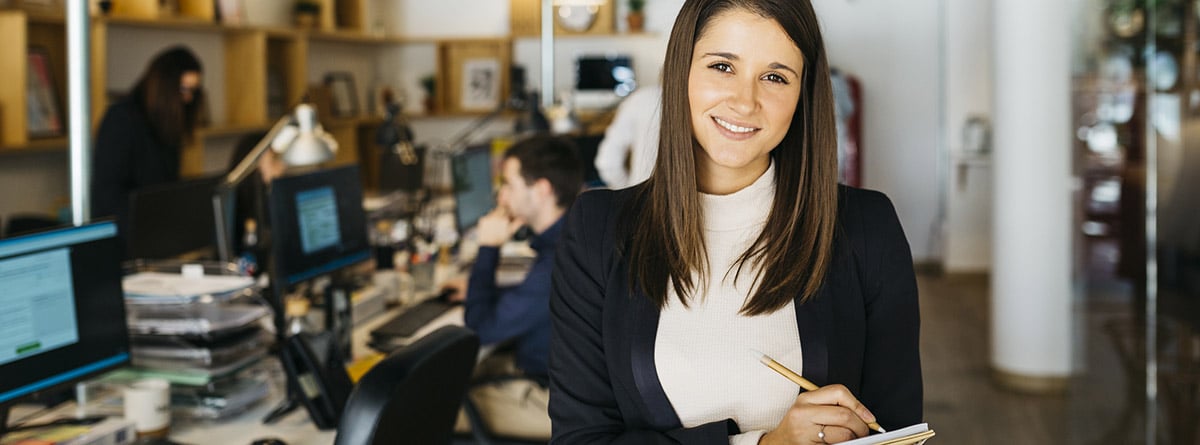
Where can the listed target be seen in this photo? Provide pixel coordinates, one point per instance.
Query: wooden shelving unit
(282, 49)
(255, 58)
(36, 145)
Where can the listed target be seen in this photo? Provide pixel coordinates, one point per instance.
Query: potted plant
(636, 18)
(429, 84)
(307, 12)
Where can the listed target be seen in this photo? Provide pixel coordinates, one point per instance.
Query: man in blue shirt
(540, 178)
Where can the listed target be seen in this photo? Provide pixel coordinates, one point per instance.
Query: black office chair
(413, 395)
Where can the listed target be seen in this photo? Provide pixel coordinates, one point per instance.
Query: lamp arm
(224, 194)
(474, 127)
(248, 163)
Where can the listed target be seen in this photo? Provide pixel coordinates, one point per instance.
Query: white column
(1031, 280)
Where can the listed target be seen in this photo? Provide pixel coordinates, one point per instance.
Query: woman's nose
(744, 97)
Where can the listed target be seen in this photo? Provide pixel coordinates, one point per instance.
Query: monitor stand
(291, 401)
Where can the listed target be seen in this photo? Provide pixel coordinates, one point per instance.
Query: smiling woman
(743, 92)
(740, 240)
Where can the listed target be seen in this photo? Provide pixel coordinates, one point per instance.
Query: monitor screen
(317, 223)
(171, 220)
(62, 311)
(473, 195)
(608, 73)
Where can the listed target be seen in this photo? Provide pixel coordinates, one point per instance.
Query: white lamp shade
(306, 143)
(310, 148)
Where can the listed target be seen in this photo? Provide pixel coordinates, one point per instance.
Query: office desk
(294, 428)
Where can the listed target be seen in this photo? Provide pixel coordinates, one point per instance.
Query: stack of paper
(914, 435)
(157, 287)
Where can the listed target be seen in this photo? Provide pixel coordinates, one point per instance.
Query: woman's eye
(720, 66)
(776, 78)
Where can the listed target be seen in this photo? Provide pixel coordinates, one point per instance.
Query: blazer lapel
(643, 332)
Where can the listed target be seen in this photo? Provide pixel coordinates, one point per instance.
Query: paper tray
(181, 352)
(161, 282)
(194, 320)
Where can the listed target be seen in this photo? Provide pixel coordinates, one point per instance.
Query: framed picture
(42, 99)
(480, 84)
(343, 94)
(475, 75)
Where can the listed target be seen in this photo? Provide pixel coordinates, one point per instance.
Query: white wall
(33, 183)
(892, 47)
(967, 232)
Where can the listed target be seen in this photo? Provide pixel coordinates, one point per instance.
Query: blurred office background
(1043, 158)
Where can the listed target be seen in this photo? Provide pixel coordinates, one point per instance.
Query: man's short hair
(554, 158)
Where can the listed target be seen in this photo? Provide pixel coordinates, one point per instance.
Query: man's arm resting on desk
(497, 314)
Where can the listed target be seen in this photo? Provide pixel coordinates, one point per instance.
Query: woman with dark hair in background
(741, 241)
(142, 135)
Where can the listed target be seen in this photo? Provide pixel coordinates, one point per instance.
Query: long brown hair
(665, 220)
(159, 94)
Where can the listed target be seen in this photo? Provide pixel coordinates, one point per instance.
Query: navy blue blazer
(861, 329)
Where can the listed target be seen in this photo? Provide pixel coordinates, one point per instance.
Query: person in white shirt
(632, 135)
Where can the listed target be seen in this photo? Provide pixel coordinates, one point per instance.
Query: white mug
(148, 405)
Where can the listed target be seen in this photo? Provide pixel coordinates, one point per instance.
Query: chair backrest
(414, 394)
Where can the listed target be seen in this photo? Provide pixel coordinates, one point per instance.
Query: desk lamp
(298, 139)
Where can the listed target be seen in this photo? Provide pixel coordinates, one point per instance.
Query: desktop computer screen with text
(62, 312)
(317, 223)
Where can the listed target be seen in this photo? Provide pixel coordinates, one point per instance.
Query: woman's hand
(830, 414)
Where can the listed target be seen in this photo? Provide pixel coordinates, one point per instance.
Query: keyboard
(406, 323)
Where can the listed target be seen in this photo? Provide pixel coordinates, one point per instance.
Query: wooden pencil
(799, 380)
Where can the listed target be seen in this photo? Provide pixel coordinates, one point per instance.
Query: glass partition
(1136, 114)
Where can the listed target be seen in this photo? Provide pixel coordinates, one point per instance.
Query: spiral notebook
(914, 435)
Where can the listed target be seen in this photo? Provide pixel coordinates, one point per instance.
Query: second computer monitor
(171, 220)
(473, 196)
(317, 223)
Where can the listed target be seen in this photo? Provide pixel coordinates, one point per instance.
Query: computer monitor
(62, 311)
(473, 196)
(601, 81)
(611, 73)
(172, 220)
(318, 224)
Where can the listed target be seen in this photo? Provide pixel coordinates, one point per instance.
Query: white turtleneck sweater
(702, 352)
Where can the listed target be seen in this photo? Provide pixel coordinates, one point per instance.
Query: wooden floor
(965, 407)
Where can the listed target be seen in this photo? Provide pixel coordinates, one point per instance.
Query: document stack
(200, 327)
